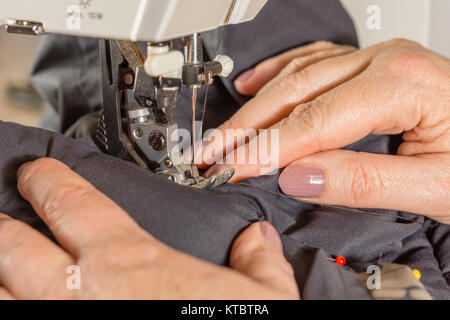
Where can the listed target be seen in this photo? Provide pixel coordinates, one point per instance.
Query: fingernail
(215, 169)
(243, 78)
(271, 235)
(21, 168)
(302, 182)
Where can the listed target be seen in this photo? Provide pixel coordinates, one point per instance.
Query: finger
(258, 253)
(5, 294)
(251, 81)
(278, 102)
(77, 213)
(302, 62)
(301, 88)
(363, 180)
(31, 266)
(417, 147)
(340, 117)
(426, 139)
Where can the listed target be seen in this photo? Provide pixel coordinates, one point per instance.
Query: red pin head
(341, 261)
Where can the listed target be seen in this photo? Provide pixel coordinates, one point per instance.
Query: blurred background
(425, 21)
(18, 102)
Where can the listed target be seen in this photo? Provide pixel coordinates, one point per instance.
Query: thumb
(418, 184)
(258, 254)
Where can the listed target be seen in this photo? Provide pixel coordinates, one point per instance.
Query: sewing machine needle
(194, 103)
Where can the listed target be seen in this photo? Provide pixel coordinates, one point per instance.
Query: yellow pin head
(417, 274)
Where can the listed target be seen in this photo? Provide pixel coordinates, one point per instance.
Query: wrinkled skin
(116, 258)
(323, 97)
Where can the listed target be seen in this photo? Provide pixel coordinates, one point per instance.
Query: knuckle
(56, 203)
(307, 116)
(271, 63)
(323, 44)
(295, 84)
(295, 64)
(305, 121)
(301, 77)
(401, 42)
(409, 63)
(365, 184)
(302, 116)
(409, 58)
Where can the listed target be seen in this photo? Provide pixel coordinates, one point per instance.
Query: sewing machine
(172, 30)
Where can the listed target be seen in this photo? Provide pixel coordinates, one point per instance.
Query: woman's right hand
(391, 88)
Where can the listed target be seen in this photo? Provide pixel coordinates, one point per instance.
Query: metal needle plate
(216, 180)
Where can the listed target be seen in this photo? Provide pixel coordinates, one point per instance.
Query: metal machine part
(24, 27)
(142, 132)
(145, 131)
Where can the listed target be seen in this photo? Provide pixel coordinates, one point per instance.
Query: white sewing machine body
(135, 20)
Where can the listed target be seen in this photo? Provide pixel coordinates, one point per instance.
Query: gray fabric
(73, 79)
(205, 223)
(201, 223)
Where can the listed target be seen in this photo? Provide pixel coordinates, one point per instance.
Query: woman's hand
(115, 257)
(391, 88)
(273, 70)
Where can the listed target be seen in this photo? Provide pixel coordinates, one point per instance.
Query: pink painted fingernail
(215, 169)
(271, 235)
(22, 168)
(302, 182)
(243, 78)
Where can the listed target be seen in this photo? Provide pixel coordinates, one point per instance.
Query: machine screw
(128, 79)
(137, 133)
(169, 163)
(157, 141)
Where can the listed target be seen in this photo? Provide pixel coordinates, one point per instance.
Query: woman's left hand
(104, 254)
